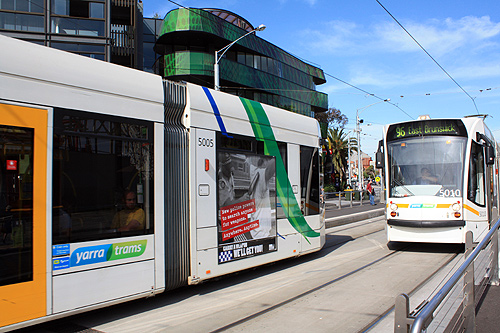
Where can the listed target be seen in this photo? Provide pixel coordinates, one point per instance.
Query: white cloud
(334, 37)
(362, 75)
(439, 37)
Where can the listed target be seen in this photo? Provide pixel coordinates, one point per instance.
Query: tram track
(401, 249)
(349, 263)
(343, 229)
(323, 285)
(411, 293)
(349, 226)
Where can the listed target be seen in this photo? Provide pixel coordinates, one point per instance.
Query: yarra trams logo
(107, 252)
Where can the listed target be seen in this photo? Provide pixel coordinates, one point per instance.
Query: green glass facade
(252, 68)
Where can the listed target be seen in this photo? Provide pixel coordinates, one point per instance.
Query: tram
(441, 177)
(117, 185)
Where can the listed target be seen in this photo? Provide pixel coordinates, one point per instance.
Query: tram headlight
(455, 207)
(393, 207)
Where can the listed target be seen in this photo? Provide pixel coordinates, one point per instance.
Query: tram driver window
(102, 177)
(476, 188)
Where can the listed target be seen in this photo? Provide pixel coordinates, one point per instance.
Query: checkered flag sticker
(225, 256)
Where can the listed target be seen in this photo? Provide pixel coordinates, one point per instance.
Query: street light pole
(224, 50)
(358, 130)
(349, 159)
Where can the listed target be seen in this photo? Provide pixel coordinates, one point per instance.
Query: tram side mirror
(379, 156)
(379, 160)
(490, 155)
(489, 150)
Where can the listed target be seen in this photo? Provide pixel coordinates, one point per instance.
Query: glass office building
(252, 68)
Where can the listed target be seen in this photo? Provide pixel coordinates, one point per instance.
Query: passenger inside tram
(131, 217)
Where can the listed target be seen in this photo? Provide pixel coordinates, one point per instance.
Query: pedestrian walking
(371, 193)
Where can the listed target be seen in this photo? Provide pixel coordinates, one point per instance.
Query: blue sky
(359, 43)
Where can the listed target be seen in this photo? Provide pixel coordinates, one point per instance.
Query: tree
(332, 117)
(338, 143)
(369, 172)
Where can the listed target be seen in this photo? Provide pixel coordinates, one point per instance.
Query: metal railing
(355, 196)
(351, 197)
(453, 307)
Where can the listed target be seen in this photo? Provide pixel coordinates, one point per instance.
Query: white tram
(441, 177)
(116, 185)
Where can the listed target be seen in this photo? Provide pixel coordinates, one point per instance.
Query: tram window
(102, 177)
(235, 142)
(309, 180)
(282, 147)
(476, 189)
(16, 204)
(492, 184)
(239, 142)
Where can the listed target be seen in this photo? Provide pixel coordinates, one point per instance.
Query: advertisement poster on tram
(246, 206)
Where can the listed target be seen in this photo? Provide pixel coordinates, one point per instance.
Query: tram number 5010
(205, 142)
(449, 193)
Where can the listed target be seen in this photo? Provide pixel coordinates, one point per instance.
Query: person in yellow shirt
(130, 218)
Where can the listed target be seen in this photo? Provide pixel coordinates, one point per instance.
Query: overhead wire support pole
(358, 130)
(423, 49)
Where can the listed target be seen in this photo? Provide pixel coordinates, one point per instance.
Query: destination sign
(453, 127)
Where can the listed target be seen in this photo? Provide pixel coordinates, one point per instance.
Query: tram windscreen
(426, 166)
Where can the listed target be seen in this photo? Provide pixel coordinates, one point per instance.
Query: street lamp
(224, 50)
(358, 130)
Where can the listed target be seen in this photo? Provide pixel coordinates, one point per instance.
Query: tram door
(23, 186)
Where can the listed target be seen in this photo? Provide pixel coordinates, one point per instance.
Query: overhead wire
(364, 91)
(368, 93)
(430, 56)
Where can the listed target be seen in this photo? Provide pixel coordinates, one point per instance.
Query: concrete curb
(341, 220)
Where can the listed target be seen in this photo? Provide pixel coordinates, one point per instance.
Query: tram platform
(488, 315)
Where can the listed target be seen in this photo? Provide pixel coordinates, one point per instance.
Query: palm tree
(338, 142)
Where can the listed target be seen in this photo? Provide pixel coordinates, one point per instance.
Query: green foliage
(338, 142)
(369, 172)
(329, 188)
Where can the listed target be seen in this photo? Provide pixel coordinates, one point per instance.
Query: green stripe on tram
(263, 132)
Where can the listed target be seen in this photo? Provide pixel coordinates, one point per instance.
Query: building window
(96, 10)
(60, 7)
(88, 50)
(32, 6)
(21, 22)
(82, 27)
(249, 59)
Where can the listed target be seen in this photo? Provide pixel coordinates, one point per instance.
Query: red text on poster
(236, 214)
(240, 230)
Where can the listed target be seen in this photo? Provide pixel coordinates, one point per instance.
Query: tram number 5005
(449, 193)
(204, 142)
